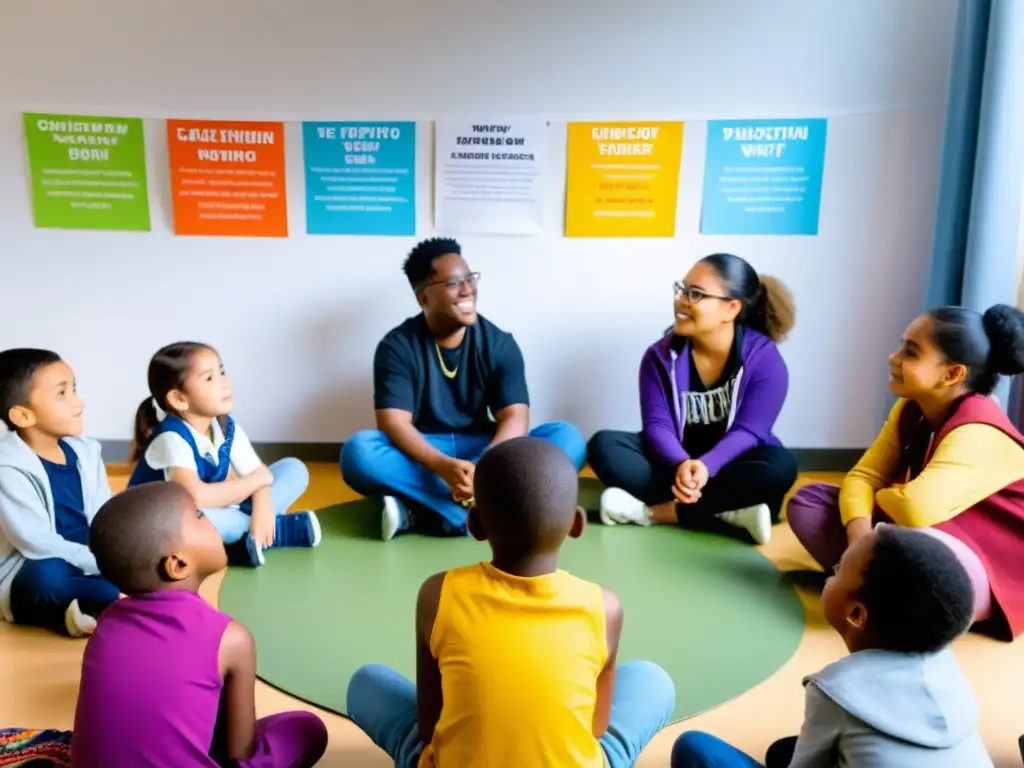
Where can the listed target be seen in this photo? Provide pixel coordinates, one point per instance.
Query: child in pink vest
(948, 460)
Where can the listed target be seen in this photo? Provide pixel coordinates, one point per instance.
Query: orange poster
(227, 178)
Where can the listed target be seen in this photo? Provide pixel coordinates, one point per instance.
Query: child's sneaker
(254, 551)
(394, 518)
(297, 529)
(78, 624)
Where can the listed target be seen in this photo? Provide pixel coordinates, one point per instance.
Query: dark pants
(43, 590)
(762, 475)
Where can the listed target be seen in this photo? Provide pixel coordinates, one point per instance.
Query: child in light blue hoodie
(52, 483)
(899, 597)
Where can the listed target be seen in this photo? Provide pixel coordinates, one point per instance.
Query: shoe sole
(314, 523)
(255, 553)
(390, 519)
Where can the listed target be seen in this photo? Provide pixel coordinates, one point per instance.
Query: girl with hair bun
(710, 392)
(947, 461)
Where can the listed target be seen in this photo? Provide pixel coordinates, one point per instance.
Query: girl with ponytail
(947, 461)
(184, 433)
(710, 392)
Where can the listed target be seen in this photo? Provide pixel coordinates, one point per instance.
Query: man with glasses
(447, 384)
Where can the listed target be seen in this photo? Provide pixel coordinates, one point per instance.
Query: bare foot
(664, 513)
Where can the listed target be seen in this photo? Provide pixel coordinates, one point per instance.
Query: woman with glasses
(710, 392)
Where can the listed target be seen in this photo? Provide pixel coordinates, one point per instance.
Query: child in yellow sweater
(947, 461)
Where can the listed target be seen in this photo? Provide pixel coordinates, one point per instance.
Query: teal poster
(360, 178)
(763, 177)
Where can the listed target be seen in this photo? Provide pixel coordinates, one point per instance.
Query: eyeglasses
(452, 285)
(694, 294)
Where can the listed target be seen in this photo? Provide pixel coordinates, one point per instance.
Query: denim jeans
(374, 466)
(383, 704)
(43, 589)
(291, 478)
(696, 749)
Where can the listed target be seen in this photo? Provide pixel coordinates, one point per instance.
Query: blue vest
(207, 470)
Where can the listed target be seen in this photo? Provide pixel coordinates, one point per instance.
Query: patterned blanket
(31, 748)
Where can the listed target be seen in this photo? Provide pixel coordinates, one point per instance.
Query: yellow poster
(623, 179)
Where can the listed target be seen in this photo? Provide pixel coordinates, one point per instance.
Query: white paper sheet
(489, 176)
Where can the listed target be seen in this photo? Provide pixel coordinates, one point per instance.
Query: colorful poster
(623, 179)
(488, 176)
(228, 178)
(87, 172)
(763, 177)
(360, 178)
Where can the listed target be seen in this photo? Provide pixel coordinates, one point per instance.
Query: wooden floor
(40, 674)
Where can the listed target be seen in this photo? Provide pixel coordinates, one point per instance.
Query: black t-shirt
(489, 375)
(707, 408)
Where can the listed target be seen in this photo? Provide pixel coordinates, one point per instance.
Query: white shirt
(169, 450)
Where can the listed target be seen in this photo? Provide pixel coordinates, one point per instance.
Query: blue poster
(763, 177)
(360, 178)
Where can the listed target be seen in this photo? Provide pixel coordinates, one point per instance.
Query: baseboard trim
(827, 459)
(808, 459)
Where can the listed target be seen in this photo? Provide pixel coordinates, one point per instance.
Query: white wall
(297, 319)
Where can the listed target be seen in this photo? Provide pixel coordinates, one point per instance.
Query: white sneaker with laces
(617, 506)
(757, 520)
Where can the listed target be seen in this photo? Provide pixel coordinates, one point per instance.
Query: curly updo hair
(989, 345)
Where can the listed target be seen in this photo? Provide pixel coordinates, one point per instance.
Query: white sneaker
(394, 518)
(757, 520)
(77, 623)
(617, 506)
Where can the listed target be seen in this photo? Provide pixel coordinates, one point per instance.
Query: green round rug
(714, 612)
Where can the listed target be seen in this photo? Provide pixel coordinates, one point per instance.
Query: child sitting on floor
(167, 680)
(898, 599)
(183, 433)
(515, 658)
(52, 482)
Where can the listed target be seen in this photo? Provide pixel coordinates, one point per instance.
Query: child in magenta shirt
(168, 680)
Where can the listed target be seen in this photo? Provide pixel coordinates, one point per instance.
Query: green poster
(87, 172)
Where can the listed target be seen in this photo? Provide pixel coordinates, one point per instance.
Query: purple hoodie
(760, 393)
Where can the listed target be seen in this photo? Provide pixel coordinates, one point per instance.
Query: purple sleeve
(763, 395)
(659, 429)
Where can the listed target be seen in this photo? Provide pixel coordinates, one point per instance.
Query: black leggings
(762, 475)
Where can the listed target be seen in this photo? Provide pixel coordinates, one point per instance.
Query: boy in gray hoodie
(898, 598)
(52, 483)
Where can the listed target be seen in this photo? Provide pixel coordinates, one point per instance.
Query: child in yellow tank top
(516, 658)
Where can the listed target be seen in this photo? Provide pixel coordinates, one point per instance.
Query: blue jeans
(383, 704)
(374, 466)
(696, 749)
(291, 478)
(43, 589)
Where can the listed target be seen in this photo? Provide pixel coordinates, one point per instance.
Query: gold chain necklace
(444, 368)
